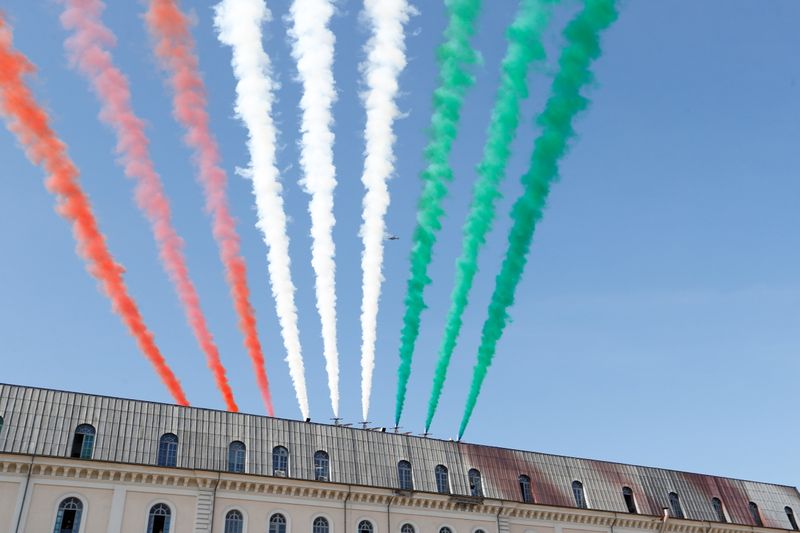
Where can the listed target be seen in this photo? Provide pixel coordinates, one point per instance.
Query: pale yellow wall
(138, 503)
(44, 499)
(521, 528)
(9, 492)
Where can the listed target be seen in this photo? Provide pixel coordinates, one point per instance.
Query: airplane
(389, 237)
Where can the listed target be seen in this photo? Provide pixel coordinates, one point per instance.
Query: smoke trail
(524, 46)
(89, 49)
(582, 47)
(453, 55)
(385, 60)
(30, 124)
(175, 49)
(238, 25)
(312, 48)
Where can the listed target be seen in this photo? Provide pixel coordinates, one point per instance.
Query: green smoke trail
(582, 47)
(453, 57)
(524, 47)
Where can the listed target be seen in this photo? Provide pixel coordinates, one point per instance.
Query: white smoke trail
(238, 24)
(312, 48)
(385, 60)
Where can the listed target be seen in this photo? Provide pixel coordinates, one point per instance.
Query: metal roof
(42, 422)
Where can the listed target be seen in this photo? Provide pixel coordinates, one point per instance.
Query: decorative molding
(95, 472)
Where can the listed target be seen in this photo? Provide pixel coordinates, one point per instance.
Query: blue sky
(658, 321)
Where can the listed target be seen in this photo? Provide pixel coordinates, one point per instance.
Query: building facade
(79, 463)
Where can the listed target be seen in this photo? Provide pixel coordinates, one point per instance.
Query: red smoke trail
(30, 124)
(175, 49)
(89, 50)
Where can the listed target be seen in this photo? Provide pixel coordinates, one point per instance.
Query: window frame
(675, 507)
(282, 516)
(475, 489)
(525, 488)
(408, 527)
(241, 520)
(446, 529)
(365, 522)
(322, 471)
(61, 508)
(168, 522)
(755, 514)
(792, 518)
(83, 442)
(237, 457)
(314, 526)
(438, 472)
(280, 453)
(630, 500)
(405, 475)
(579, 494)
(719, 509)
(168, 449)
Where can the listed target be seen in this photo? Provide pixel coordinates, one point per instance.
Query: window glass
(234, 522)
(630, 501)
(580, 497)
(525, 489)
(159, 519)
(791, 517)
(365, 526)
(68, 519)
(168, 450)
(83, 442)
(756, 514)
(237, 452)
(280, 461)
(442, 481)
(675, 505)
(716, 503)
(475, 487)
(321, 525)
(321, 465)
(407, 528)
(277, 523)
(445, 529)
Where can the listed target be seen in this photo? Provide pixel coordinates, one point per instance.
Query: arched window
(404, 475)
(445, 529)
(755, 514)
(716, 503)
(525, 488)
(792, 519)
(442, 480)
(158, 521)
(83, 442)
(277, 523)
(365, 526)
(475, 487)
(168, 450)
(321, 525)
(580, 497)
(68, 519)
(407, 528)
(479, 531)
(630, 500)
(321, 465)
(675, 505)
(237, 452)
(280, 461)
(234, 522)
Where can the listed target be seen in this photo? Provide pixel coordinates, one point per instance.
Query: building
(74, 462)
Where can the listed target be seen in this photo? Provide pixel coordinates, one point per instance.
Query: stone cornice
(96, 471)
